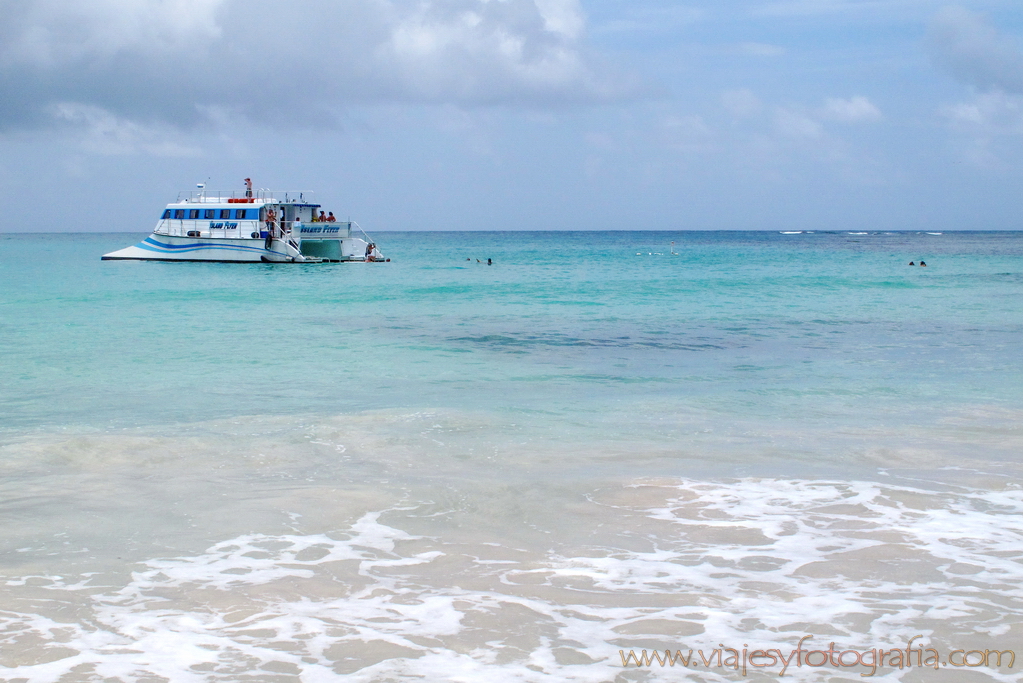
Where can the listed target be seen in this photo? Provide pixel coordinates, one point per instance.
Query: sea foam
(687, 564)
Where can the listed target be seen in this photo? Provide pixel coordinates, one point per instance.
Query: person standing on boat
(248, 188)
(270, 216)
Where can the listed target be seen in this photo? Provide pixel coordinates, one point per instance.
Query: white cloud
(53, 32)
(989, 114)
(742, 103)
(967, 46)
(795, 124)
(855, 109)
(687, 133)
(984, 126)
(562, 16)
(170, 60)
(488, 51)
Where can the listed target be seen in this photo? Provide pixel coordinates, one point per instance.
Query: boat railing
(262, 195)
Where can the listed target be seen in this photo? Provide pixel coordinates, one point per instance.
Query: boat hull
(158, 247)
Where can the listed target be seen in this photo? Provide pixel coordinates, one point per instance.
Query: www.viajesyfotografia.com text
(776, 659)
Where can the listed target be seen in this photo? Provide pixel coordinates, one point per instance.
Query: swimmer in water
(912, 263)
(923, 264)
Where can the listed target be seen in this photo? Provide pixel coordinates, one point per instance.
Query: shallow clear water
(434, 468)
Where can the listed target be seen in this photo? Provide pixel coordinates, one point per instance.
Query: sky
(519, 114)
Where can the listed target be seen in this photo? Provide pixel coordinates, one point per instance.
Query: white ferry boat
(260, 226)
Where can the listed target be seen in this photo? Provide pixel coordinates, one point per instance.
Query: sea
(515, 457)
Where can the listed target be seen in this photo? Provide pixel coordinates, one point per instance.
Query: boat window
(179, 213)
(225, 214)
(193, 213)
(166, 214)
(241, 214)
(208, 214)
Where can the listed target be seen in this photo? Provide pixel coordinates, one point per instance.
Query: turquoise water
(741, 322)
(542, 429)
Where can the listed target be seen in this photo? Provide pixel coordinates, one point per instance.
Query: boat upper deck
(244, 197)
